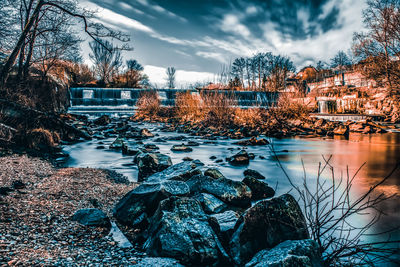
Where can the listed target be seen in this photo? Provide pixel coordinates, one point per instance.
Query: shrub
(189, 106)
(42, 139)
(250, 117)
(148, 104)
(218, 108)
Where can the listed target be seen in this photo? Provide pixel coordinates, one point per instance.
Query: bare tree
(133, 64)
(106, 59)
(380, 43)
(171, 77)
(33, 12)
(341, 61)
(238, 69)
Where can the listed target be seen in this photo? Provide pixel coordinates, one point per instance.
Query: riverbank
(36, 226)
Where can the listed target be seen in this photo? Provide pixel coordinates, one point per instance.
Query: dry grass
(40, 137)
(189, 106)
(252, 117)
(210, 108)
(148, 104)
(288, 108)
(219, 108)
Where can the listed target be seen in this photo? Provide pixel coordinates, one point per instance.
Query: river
(379, 152)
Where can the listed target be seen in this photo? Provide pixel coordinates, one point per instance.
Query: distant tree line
(263, 71)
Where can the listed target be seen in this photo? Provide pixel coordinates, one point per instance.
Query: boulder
(259, 189)
(356, 127)
(130, 148)
(214, 173)
(289, 253)
(239, 159)
(224, 224)
(145, 133)
(253, 142)
(181, 171)
(229, 191)
(368, 129)
(181, 148)
(254, 174)
(180, 230)
(210, 203)
(103, 120)
(265, 225)
(139, 204)
(192, 143)
(341, 130)
(149, 163)
(91, 217)
(118, 143)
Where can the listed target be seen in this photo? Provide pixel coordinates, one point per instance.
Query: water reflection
(380, 152)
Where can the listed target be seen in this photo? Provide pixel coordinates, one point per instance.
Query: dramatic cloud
(199, 36)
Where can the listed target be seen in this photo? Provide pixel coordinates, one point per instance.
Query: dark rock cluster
(199, 217)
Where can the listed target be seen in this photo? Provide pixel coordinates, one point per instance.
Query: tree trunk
(14, 54)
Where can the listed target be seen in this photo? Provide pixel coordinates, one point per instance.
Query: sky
(198, 37)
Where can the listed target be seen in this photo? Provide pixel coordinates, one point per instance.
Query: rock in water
(289, 253)
(181, 171)
(118, 143)
(214, 173)
(145, 133)
(341, 130)
(130, 148)
(259, 189)
(149, 163)
(239, 159)
(180, 230)
(181, 148)
(139, 204)
(103, 120)
(229, 191)
(91, 217)
(254, 174)
(265, 225)
(252, 142)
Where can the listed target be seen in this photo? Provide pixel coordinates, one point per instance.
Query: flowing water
(380, 152)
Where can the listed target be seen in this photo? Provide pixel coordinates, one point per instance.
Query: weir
(123, 100)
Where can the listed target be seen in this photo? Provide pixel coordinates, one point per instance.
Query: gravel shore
(35, 225)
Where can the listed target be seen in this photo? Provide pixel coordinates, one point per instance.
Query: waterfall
(123, 100)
